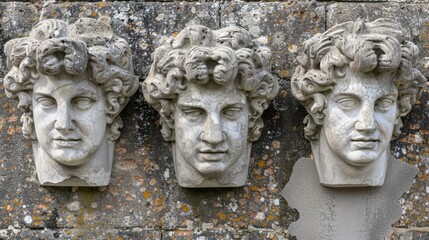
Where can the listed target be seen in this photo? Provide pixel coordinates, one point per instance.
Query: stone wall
(143, 200)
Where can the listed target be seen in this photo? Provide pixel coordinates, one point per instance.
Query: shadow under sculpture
(211, 88)
(356, 80)
(72, 81)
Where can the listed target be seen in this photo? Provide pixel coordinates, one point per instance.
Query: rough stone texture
(421, 234)
(66, 234)
(146, 25)
(16, 19)
(284, 26)
(143, 193)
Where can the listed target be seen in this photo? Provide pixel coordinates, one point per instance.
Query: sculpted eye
(384, 104)
(83, 103)
(348, 103)
(193, 114)
(46, 102)
(232, 112)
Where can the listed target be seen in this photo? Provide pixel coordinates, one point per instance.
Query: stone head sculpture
(356, 80)
(72, 81)
(211, 88)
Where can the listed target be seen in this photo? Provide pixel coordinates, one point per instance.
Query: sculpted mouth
(365, 143)
(365, 140)
(67, 142)
(209, 154)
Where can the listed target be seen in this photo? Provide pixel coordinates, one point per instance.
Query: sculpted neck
(335, 172)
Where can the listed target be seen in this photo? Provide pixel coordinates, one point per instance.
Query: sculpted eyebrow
(191, 103)
(83, 91)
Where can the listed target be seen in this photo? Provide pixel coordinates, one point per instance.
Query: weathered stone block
(144, 25)
(224, 234)
(283, 26)
(68, 234)
(422, 234)
(16, 19)
(143, 192)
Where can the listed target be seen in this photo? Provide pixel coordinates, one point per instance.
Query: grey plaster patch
(345, 213)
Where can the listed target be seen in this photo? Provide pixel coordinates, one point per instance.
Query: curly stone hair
(54, 46)
(378, 46)
(198, 55)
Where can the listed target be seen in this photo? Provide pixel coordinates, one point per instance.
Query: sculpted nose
(64, 118)
(366, 121)
(213, 132)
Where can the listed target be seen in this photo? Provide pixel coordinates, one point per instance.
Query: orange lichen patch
(158, 201)
(271, 217)
(108, 206)
(94, 14)
(153, 182)
(174, 34)
(127, 164)
(121, 150)
(139, 180)
(149, 166)
(12, 118)
(101, 4)
(130, 196)
(221, 215)
(69, 232)
(146, 194)
(284, 73)
(259, 189)
(261, 163)
(12, 130)
(36, 218)
(119, 238)
(9, 208)
(41, 206)
(185, 208)
(182, 233)
(424, 132)
(113, 190)
(276, 144)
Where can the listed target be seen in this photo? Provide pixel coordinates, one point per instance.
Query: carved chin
(70, 158)
(210, 170)
(362, 158)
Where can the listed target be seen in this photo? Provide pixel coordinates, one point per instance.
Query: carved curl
(378, 46)
(53, 46)
(198, 55)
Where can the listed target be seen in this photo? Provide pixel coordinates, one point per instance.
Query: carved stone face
(360, 116)
(211, 128)
(69, 117)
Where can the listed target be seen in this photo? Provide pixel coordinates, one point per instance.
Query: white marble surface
(72, 81)
(356, 81)
(211, 88)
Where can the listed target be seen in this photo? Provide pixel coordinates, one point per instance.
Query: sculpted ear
(315, 109)
(114, 106)
(404, 106)
(309, 88)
